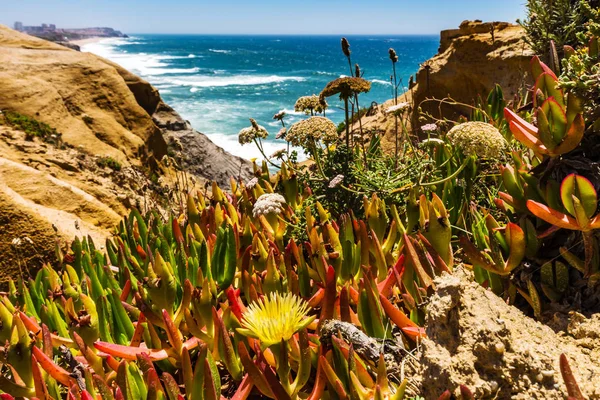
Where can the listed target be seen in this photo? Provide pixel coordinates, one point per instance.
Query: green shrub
(558, 20)
(31, 127)
(109, 162)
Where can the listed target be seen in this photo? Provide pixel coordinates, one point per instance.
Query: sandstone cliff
(470, 61)
(57, 187)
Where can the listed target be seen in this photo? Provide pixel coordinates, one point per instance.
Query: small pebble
(493, 386)
(500, 348)
(539, 377)
(548, 373)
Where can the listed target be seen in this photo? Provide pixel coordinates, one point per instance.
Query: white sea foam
(230, 144)
(141, 63)
(381, 82)
(233, 80)
(168, 71)
(219, 51)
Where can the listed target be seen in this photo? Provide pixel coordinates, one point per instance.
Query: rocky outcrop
(195, 153)
(59, 188)
(471, 60)
(475, 339)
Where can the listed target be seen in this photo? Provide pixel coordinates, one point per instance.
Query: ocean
(218, 82)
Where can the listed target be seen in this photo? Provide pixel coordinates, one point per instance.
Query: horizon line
(282, 34)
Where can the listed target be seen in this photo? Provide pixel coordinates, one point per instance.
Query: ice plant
(560, 123)
(580, 200)
(275, 318)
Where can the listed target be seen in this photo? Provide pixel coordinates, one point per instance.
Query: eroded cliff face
(58, 188)
(471, 60)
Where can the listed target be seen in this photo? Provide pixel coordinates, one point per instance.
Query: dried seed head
(278, 154)
(346, 87)
(345, 47)
(281, 134)
(313, 129)
(393, 55)
(279, 116)
(247, 135)
(306, 104)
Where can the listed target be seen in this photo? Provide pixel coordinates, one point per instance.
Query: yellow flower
(275, 318)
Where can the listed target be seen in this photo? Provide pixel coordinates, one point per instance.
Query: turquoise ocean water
(218, 82)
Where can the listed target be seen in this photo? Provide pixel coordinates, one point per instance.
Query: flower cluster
(313, 129)
(478, 138)
(429, 128)
(346, 87)
(275, 318)
(278, 154)
(281, 134)
(251, 133)
(335, 182)
(268, 203)
(398, 109)
(279, 116)
(252, 183)
(306, 104)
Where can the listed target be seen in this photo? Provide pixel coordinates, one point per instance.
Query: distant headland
(64, 36)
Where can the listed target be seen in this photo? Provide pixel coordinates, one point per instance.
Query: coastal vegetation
(314, 279)
(32, 127)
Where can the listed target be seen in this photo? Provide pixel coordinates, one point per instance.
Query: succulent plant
(217, 299)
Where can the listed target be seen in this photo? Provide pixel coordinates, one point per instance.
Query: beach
(83, 42)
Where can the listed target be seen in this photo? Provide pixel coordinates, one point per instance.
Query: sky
(261, 16)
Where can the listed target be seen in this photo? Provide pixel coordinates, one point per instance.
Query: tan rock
(51, 191)
(469, 64)
(467, 324)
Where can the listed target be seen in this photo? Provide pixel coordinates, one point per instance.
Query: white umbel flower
(478, 138)
(429, 128)
(268, 203)
(252, 183)
(335, 182)
(398, 108)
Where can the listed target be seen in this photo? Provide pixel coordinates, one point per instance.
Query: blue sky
(261, 17)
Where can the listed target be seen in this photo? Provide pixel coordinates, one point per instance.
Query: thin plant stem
(450, 177)
(347, 122)
(260, 148)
